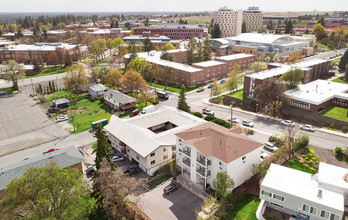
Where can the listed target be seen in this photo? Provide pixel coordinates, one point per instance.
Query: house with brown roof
(205, 150)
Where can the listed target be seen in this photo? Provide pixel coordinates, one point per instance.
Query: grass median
(49, 70)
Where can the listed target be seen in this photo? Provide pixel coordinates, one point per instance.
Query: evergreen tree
(346, 74)
(306, 31)
(343, 62)
(270, 25)
(53, 86)
(217, 31)
(332, 42)
(322, 21)
(289, 28)
(112, 24)
(182, 104)
(279, 24)
(19, 32)
(244, 27)
(200, 55)
(116, 23)
(191, 48)
(133, 52)
(185, 21)
(206, 50)
(148, 45)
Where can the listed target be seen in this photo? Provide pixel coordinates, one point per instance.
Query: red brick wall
(173, 33)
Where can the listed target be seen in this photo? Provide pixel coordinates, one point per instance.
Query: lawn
(307, 162)
(152, 184)
(339, 80)
(295, 164)
(322, 46)
(239, 95)
(336, 112)
(172, 87)
(244, 208)
(49, 70)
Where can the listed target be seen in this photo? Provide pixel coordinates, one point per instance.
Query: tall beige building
(230, 21)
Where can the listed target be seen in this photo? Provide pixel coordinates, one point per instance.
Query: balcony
(201, 161)
(208, 173)
(201, 171)
(187, 162)
(187, 151)
(209, 163)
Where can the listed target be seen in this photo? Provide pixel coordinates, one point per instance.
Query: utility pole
(32, 85)
(231, 113)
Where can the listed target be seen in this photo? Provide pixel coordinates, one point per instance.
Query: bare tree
(291, 133)
(168, 74)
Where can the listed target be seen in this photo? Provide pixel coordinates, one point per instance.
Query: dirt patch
(328, 157)
(272, 214)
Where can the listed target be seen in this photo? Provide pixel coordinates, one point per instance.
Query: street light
(231, 106)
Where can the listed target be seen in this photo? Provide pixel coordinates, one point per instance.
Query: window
(152, 154)
(128, 150)
(266, 193)
(165, 157)
(164, 149)
(243, 158)
(153, 162)
(137, 157)
(334, 217)
(313, 210)
(220, 163)
(281, 198)
(324, 214)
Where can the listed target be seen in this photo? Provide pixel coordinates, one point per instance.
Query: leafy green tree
(306, 31)
(257, 67)
(148, 45)
(234, 78)
(216, 89)
(343, 62)
(137, 63)
(103, 150)
(47, 193)
(319, 31)
(292, 78)
(206, 50)
(75, 78)
(13, 73)
(244, 30)
(102, 72)
(167, 56)
(109, 44)
(223, 184)
(182, 104)
(263, 30)
(191, 49)
(168, 46)
(133, 52)
(289, 29)
(114, 77)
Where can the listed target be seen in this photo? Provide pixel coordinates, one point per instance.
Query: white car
(208, 111)
(287, 123)
(62, 118)
(264, 155)
(247, 123)
(234, 120)
(270, 147)
(307, 128)
(117, 158)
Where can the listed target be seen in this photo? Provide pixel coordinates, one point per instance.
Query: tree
(234, 78)
(306, 31)
(47, 192)
(278, 26)
(244, 29)
(137, 63)
(167, 56)
(223, 184)
(271, 93)
(102, 150)
(182, 104)
(168, 74)
(13, 73)
(346, 74)
(102, 72)
(191, 48)
(292, 78)
(276, 58)
(133, 81)
(206, 50)
(261, 169)
(343, 62)
(109, 44)
(209, 207)
(291, 133)
(289, 29)
(168, 46)
(75, 78)
(332, 42)
(216, 89)
(293, 59)
(267, 59)
(199, 56)
(38, 66)
(270, 25)
(95, 74)
(133, 52)
(321, 21)
(218, 53)
(263, 30)
(319, 31)
(257, 67)
(116, 43)
(114, 77)
(148, 45)
(217, 31)
(147, 97)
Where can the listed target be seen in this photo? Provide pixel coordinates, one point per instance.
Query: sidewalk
(206, 101)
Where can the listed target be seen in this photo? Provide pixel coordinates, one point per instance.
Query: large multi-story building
(253, 18)
(156, 41)
(229, 21)
(176, 32)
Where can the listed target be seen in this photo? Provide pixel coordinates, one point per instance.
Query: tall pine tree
(289, 28)
(343, 62)
(191, 48)
(206, 50)
(182, 104)
(244, 27)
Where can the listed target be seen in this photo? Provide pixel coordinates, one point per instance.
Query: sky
(167, 5)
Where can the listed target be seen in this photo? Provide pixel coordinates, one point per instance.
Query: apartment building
(229, 21)
(253, 19)
(149, 139)
(303, 195)
(207, 149)
(156, 41)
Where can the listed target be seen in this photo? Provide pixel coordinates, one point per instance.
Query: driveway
(328, 157)
(181, 204)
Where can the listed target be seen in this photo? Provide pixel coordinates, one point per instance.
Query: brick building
(176, 32)
(157, 41)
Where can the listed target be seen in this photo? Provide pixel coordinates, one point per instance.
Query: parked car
(233, 120)
(50, 150)
(90, 169)
(287, 123)
(201, 89)
(132, 171)
(247, 123)
(223, 81)
(307, 128)
(53, 110)
(208, 111)
(81, 152)
(171, 188)
(117, 158)
(134, 113)
(270, 147)
(264, 155)
(210, 86)
(62, 118)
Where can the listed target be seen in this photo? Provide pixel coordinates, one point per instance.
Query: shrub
(345, 129)
(302, 142)
(154, 101)
(227, 125)
(42, 99)
(250, 131)
(209, 117)
(272, 138)
(219, 121)
(332, 125)
(101, 99)
(279, 142)
(345, 152)
(338, 151)
(198, 114)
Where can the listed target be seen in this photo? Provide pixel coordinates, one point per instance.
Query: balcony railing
(208, 173)
(209, 163)
(201, 171)
(187, 152)
(187, 162)
(201, 161)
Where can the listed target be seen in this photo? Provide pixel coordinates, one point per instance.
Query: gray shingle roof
(65, 157)
(118, 96)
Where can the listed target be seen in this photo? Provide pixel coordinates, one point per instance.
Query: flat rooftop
(209, 63)
(317, 92)
(133, 37)
(333, 176)
(235, 56)
(301, 185)
(38, 47)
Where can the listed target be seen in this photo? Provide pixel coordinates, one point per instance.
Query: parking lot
(24, 124)
(181, 204)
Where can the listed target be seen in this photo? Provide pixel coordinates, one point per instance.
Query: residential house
(97, 90)
(149, 139)
(118, 100)
(303, 195)
(69, 157)
(207, 149)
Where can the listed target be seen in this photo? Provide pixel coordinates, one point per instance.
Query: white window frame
(282, 200)
(266, 192)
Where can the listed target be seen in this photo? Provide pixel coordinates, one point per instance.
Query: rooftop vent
(320, 193)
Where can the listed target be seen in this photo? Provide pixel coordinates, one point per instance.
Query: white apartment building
(303, 195)
(149, 139)
(230, 21)
(205, 150)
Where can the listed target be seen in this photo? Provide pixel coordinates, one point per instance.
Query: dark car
(53, 110)
(201, 89)
(132, 171)
(134, 113)
(210, 85)
(171, 188)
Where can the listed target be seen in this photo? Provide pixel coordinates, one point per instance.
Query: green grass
(339, 80)
(336, 112)
(9, 90)
(49, 70)
(172, 87)
(295, 164)
(152, 184)
(244, 208)
(239, 95)
(322, 46)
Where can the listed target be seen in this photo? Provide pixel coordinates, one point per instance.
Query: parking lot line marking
(16, 114)
(4, 116)
(23, 113)
(31, 124)
(36, 122)
(10, 116)
(4, 131)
